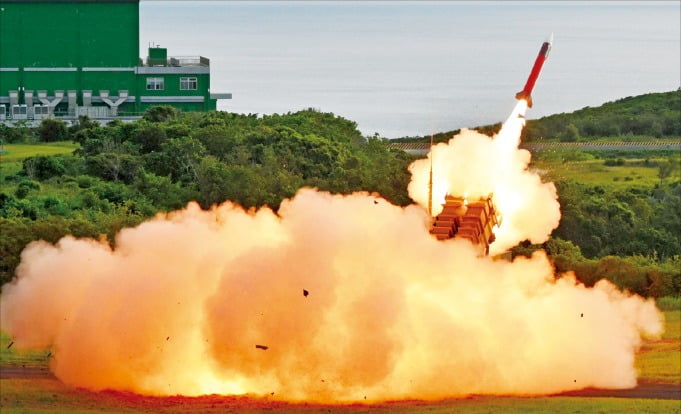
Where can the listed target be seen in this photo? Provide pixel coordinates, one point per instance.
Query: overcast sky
(412, 68)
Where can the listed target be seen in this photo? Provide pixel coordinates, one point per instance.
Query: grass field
(43, 396)
(11, 155)
(11, 356)
(658, 361)
(595, 172)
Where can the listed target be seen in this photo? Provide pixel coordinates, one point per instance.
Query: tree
(162, 192)
(219, 140)
(150, 138)
(667, 168)
(42, 167)
(51, 130)
(571, 134)
(114, 166)
(161, 113)
(179, 158)
(83, 122)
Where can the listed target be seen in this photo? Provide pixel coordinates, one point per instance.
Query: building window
(155, 84)
(188, 84)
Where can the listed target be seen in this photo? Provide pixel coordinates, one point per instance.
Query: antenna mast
(430, 182)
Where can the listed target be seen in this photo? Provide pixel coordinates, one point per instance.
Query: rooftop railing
(178, 61)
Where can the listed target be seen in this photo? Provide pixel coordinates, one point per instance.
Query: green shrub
(669, 303)
(161, 113)
(24, 187)
(51, 130)
(42, 167)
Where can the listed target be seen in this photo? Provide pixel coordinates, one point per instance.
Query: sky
(401, 68)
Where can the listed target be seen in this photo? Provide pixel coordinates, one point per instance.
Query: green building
(67, 58)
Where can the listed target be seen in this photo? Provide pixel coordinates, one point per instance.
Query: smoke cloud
(333, 298)
(474, 165)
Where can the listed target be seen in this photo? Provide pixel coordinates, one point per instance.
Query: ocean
(401, 68)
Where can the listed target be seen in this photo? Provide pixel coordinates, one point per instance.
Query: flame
(334, 298)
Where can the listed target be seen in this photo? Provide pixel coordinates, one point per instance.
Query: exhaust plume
(334, 298)
(474, 165)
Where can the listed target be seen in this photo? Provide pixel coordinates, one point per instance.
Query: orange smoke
(199, 302)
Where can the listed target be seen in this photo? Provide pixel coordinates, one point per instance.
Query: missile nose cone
(551, 39)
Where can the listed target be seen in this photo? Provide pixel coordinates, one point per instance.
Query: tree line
(124, 173)
(634, 118)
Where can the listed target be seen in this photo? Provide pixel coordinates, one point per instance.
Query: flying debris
(526, 93)
(263, 347)
(305, 292)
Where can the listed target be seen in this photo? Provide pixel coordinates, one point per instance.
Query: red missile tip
(526, 93)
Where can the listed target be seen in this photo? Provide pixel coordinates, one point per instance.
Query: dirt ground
(647, 390)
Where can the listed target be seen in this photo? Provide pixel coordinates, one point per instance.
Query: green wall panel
(69, 34)
(111, 81)
(110, 35)
(82, 34)
(51, 81)
(9, 81)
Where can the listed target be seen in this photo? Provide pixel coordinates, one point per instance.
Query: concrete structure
(67, 58)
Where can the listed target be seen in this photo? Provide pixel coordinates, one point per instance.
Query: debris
(10, 345)
(263, 347)
(167, 338)
(581, 315)
(49, 354)
(271, 393)
(305, 293)
(375, 201)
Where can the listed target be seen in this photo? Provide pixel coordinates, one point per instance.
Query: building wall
(87, 45)
(186, 99)
(76, 33)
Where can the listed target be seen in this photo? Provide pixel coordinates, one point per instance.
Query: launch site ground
(27, 386)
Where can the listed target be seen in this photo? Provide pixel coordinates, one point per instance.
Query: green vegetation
(621, 210)
(621, 218)
(669, 303)
(660, 361)
(611, 172)
(11, 155)
(9, 355)
(654, 115)
(44, 396)
(643, 117)
(120, 174)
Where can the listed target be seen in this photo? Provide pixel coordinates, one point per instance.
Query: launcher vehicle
(472, 220)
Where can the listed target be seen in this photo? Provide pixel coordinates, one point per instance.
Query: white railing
(189, 61)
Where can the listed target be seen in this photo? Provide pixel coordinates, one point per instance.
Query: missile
(526, 93)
